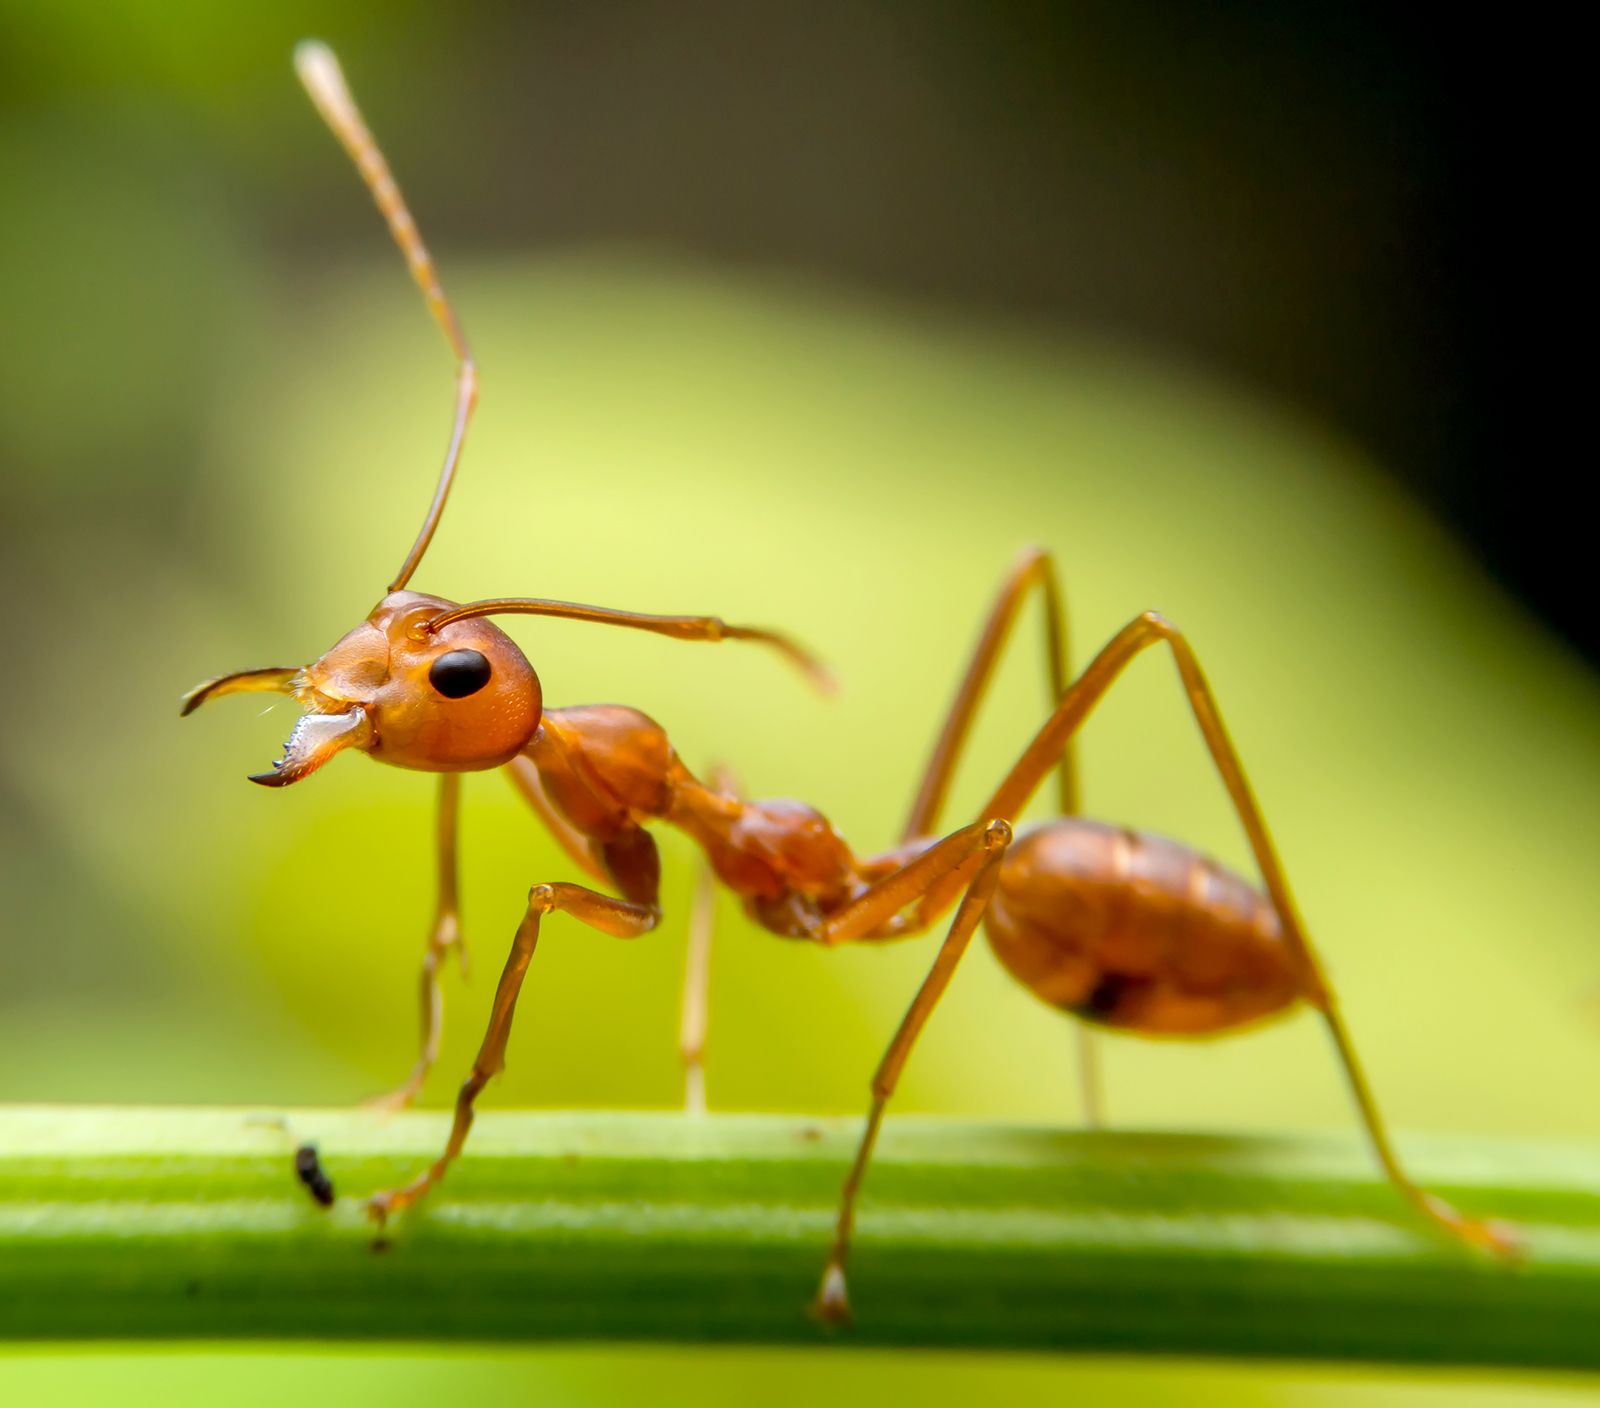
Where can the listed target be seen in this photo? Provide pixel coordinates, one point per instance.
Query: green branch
(190, 1224)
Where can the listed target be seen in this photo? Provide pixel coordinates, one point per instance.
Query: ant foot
(694, 1090)
(1499, 1239)
(381, 1205)
(390, 1102)
(832, 1304)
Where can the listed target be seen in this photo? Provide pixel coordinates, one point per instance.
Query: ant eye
(459, 673)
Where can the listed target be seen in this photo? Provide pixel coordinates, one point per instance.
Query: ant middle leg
(1030, 770)
(445, 935)
(695, 1012)
(1033, 569)
(697, 990)
(633, 862)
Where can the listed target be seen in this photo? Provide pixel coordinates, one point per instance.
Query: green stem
(186, 1224)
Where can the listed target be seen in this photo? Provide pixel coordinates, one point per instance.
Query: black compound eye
(458, 673)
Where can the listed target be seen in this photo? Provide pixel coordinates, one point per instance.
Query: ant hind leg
(1040, 756)
(971, 856)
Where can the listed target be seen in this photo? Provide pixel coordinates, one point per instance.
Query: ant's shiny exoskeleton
(1123, 929)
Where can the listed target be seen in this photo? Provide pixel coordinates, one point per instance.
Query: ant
(1125, 930)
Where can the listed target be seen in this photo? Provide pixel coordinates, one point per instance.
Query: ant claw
(1501, 1238)
(832, 1304)
(388, 1104)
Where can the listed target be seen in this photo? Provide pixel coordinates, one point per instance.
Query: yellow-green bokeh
(696, 1378)
(657, 438)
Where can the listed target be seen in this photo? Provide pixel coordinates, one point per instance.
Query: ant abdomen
(1134, 931)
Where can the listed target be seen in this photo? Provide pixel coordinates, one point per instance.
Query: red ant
(1122, 929)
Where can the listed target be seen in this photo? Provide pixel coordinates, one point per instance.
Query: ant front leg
(524, 776)
(445, 935)
(1040, 756)
(581, 851)
(633, 861)
(1033, 570)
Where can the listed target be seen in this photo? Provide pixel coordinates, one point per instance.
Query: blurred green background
(221, 411)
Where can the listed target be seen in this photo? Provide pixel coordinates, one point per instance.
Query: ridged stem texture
(191, 1224)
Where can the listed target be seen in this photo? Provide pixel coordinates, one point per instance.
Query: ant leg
(524, 775)
(620, 918)
(446, 934)
(832, 1302)
(696, 991)
(1033, 568)
(1150, 629)
(697, 970)
(1091, 1083)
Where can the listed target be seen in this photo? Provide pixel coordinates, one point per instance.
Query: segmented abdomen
(1137, 932)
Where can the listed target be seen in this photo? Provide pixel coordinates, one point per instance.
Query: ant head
(423, 683)
(458, 698)
(454, 700)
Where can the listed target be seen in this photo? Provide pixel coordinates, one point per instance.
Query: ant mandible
(1120, 928)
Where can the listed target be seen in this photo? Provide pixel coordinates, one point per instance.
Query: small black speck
(191, 1289)
(308, 1169)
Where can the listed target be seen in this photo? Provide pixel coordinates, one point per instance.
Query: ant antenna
(324, 80)
(702, 628)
